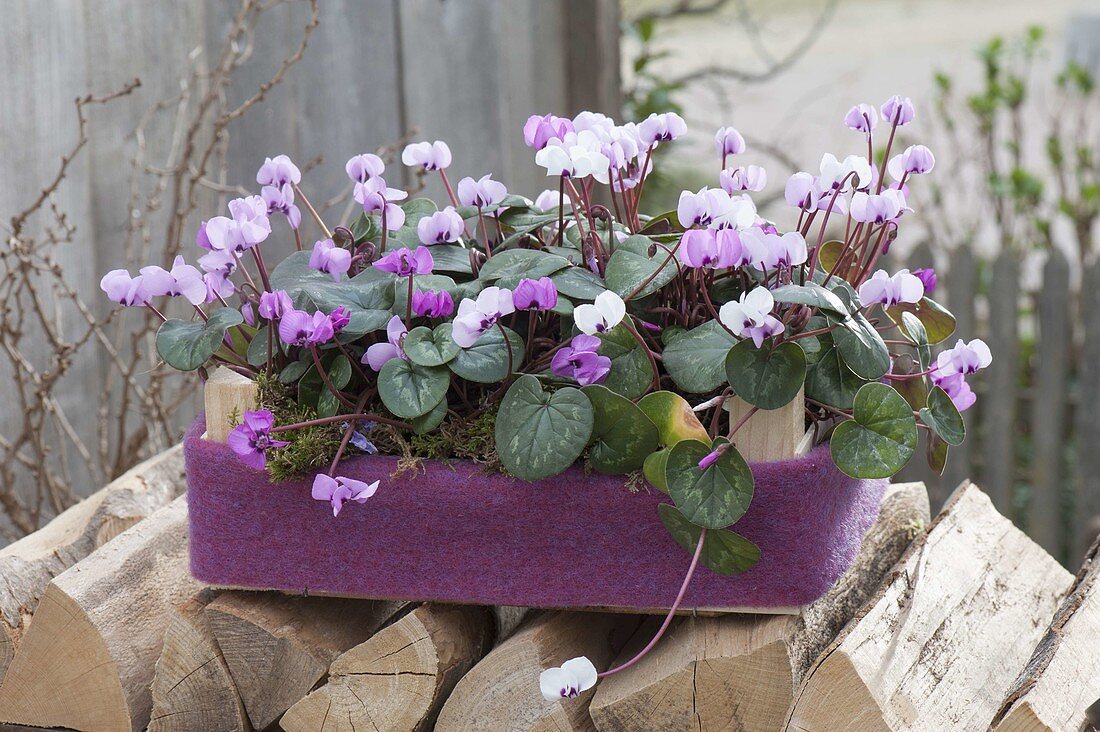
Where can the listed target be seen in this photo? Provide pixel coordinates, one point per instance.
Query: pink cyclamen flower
(182, 280)
(889, 290)
(750, 316)
(428, 155)
(728, 141)
(964, 358)
(405, 263)
(201, 239)
(274, 304)
(747, 178)
(960, 393)
(769, 251)
(862, 118)
(223, 261)
(915, 160)
(124, 289)
(898, 110)
(661, 128)
(340, 490)
(483, 192)
(476, 317)
(280, 199)
(549, 200)
(339, 318)
(803, 191)
(379, 354)
(710, 249)
(540, 294)
(580, 360)
(330, 259)
(278, 171)
(247, 227)
(538, 131)
(878, 208)
(709, 459)
(432, 304)
(927, 276)
(361, 168)
(376, 197)
(852, 172)
(251, 439)
(440, 227)
(218, 285)
(299, 328)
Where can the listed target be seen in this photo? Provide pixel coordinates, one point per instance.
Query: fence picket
(1048, 408)
(999, 407)
(961, 282)
(1086, 514)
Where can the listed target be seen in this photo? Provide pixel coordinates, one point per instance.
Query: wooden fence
(1033, 438)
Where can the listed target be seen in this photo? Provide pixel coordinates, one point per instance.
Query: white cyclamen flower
(568, 680)
(834, 171)
(605, 313)
(750, 317)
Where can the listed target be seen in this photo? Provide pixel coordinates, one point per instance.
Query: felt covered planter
(454, 533)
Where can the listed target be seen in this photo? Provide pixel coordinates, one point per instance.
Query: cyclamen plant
(584, 329)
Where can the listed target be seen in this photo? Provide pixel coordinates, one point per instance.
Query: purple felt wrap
(454, 533)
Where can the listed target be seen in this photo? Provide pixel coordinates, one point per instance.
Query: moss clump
(310, 448)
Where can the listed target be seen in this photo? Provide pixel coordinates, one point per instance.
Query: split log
(945, 636)
(87, 660)
(399, 679)
(29, 564)
(227, 395)
(1063, 676)
(277, 647)
(192, 687)
(741, 671)
(501, 692)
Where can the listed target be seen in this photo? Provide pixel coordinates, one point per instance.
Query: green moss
(310, 448)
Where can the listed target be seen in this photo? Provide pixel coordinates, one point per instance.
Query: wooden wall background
(468, 71)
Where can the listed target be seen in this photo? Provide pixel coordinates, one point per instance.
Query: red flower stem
(312, 211)
(200, 312)
(668, 618)
(297, 240)
(261, 267)
(447, 185)
(159, 314)
(366, 417)
(328, 383)
(347, 436)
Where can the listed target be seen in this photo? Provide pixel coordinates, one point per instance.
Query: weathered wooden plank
(1048, 408)
(998, 403)
(1086, 513)
(960, 280)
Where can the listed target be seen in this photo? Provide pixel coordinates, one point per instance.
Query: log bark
(192, 687)
(945, 636)
(1063, 676)
(226, 396)
(29, 564)
(501, 693)
(741, 671)
(87, 660)
(399, 679)
(277, 647)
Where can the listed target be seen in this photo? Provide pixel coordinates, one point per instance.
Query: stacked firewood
(957, 623)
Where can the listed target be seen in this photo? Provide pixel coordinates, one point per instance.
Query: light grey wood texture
(1086, 514)
(999, 408)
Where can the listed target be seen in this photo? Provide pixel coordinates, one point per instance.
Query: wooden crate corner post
(227, 396)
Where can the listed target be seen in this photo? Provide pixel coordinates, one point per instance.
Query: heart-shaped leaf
(938, 321)
(766, 377)
(654, 468)
(811, 294)
(186, 345)
(724, 552)
(861, 347)
(631, 373)
(486, 362)
(914, 330)
(881, 436)
(427, 422)
(631, 265)
(829, 380)
(673, 418)
(428, 347)
(512, 265)
(622, 435)
(539, 434)
(695, 359)
(937, 454)
(713, 498)
(942, 416)
(578, 283)
(409, 390)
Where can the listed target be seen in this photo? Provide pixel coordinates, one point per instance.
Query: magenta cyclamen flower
(728, 141)
(889, 290)
(432, 304)
(278, 171)
(361, 168)
(476, 317)
(379, 354)
(251, 439)
(441, 227)
(280, 199)
(339, 318)
(862, 118)
(483, 192)
(124, 289)
(538, 131)
(661, 128)
(428, 155)
(898, 110)
(540, 294)
(329, 258)
(581, 361)
(340, 490)
(298, 328)
(405, 263)
(927, 276)
(747, 178)
(274, 304)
